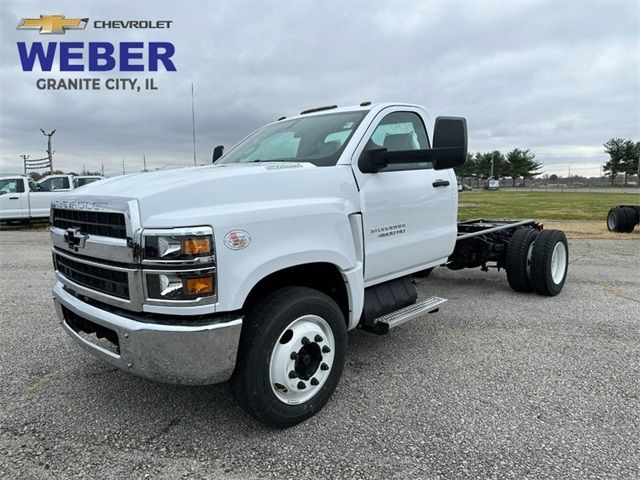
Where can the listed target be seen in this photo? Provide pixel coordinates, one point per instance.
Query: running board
(394, 319)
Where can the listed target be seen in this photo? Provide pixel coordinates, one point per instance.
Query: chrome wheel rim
(558, 262)
(611, 221)
(301, 360)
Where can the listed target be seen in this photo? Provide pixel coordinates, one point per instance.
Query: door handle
(441, 183)
(13, 198)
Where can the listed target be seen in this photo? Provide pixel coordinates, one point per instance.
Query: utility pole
(49, 151)
(84, 170)
(193, 125)
(123, 166)
(144, 162)
(24, 161)
(102, 168)
(491, 176)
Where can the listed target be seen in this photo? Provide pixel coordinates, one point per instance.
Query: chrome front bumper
(190, 355)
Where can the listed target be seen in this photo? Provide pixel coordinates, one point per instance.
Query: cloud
(558, 78)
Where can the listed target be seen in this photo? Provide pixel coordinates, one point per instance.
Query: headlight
(179, 266)
(178, 247)
(180, 286)
(178, 244)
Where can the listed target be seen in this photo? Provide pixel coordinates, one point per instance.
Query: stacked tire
(622, 219)
(537, 261)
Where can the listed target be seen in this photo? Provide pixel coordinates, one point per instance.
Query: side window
(45, 185)
(400, 131)
(13, 185)
(56, 183)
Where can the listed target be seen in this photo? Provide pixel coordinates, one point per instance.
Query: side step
(391, 320)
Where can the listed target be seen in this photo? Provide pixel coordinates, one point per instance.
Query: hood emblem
(237, 239)
(75, 238)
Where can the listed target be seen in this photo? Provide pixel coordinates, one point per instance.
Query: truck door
(12, 198)
(409, 210)
(50, 189)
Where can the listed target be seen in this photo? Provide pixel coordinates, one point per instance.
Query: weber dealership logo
(94, 56)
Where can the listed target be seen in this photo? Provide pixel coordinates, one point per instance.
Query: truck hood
(190, 196)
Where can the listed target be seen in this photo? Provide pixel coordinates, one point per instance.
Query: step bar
(394, 319)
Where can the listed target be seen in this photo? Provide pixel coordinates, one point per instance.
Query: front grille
(106, 224)
(101, 279)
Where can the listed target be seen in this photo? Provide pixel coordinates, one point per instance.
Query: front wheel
(291, 355)
(549, 262)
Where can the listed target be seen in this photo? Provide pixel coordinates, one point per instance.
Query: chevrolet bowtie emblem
(53, 23)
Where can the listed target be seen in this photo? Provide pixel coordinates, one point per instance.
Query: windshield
(317, 139)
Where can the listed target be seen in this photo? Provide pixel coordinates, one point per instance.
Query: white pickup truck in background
(22, 199)
(253, 269)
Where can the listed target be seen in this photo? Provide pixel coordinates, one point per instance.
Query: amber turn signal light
(196, 246)
(198, 286)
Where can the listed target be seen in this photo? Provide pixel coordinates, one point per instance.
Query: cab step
(394, 319)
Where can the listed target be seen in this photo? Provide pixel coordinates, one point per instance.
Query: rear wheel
(518, 259)
(614, 218)
(290, 357)
(629, 215)
(549, 262)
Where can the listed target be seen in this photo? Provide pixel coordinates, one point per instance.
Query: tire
(615, 219)
(549, 262)
(629, 215)
(287, 321)
(518, 259)
(423, 273)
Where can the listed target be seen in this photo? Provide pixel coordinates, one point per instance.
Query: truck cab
(253, 269)
(29, 200)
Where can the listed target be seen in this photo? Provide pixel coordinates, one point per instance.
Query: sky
(557, 77)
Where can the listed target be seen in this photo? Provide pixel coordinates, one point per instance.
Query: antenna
(193, 125)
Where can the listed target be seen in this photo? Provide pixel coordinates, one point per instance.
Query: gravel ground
(497, 384)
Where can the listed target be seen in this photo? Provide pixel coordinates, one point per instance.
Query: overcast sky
(559, 77)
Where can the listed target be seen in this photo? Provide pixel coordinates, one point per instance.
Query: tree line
(624, 155)
(515, 164)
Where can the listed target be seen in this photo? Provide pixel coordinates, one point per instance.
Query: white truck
(22, 199)
(254, 268)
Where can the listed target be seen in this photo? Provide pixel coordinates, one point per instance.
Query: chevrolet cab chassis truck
(623, 218)
(253, 269)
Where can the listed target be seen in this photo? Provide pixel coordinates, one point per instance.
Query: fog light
(198, 286)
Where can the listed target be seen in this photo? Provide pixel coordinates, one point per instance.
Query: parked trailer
(623, 218)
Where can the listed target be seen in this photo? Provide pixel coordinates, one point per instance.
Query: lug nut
(293, 374)
(294, 356)
(314, 381)
(301, 386)
(305, 341)
(324, 367)
(318, 338)
(326, 349)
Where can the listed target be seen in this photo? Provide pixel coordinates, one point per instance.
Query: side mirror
(449, 142)
(217, 153)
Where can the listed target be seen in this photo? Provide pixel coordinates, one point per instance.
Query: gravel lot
(497, 384)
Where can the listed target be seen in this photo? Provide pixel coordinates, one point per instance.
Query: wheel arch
(325, 277)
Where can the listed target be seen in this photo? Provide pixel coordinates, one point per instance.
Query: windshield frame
(326, 161)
